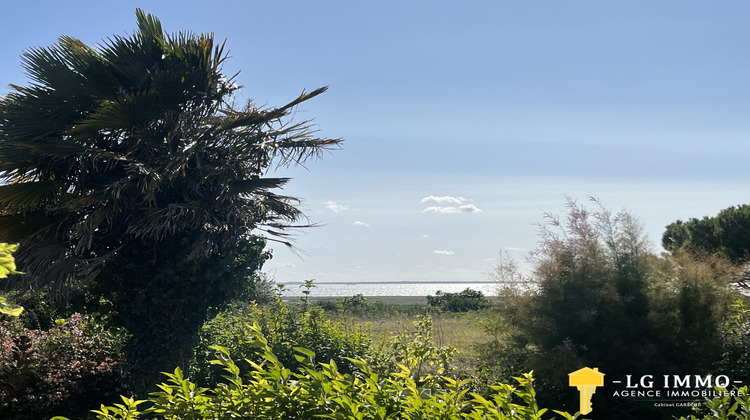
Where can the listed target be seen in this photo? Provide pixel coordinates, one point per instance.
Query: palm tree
(123, 159)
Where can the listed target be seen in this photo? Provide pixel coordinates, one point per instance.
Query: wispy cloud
(448, 205)
(335, 207)
(446, 199)
(466, 208)
(443, 252)
(363, 224)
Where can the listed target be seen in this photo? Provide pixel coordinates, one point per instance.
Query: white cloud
(436, 209)
(363, 224)
(466, 208)
(443, 252)
(470, 208)
(448, 205)
(432, 199)
(335, 207)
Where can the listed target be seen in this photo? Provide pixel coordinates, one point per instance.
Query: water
(415, 288)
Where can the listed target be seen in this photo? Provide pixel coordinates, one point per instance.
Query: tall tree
(127, 169)
(726, 234)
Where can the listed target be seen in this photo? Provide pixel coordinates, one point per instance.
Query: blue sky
(466, 121)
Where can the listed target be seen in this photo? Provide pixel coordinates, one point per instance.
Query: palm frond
(129, 110)
(25, 196)
(13, 157)
(17, 227)
(149, 27)
(55, 148)
(162, 222)
(246, 186)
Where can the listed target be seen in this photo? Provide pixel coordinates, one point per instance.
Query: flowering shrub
(59, 370)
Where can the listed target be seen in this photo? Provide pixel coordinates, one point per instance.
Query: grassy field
(461, 331)
(386, 316)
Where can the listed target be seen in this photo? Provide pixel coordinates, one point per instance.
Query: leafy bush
(285, 327)
(467, 300)
(601, 298)
(320, 390)
(417, 351)
(724, 407)
(503, 354)
(59, 370)
(355, 302)
(735, 359)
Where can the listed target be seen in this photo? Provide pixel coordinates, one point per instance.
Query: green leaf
(27, 195)
(308, 353)
(7, 262)
(12, 312)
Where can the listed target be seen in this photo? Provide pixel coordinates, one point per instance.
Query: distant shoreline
(392, 300)
(354, 283)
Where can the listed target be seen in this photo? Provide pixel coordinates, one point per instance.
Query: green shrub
(502, 355)
(285, 327)
(270, 390)
(58, 370)
(360, 307)
(724, 407)
(416, 350)
(600, 298)
(467, 300)
(735, 359)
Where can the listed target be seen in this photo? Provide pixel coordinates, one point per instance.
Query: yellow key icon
(586, 380)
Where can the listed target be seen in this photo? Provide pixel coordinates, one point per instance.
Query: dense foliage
(727, 233)
(270, 390)
(725, 407)
(284, 328)
(598, 297)
(60, 370)
(735, 358)
(128, 171)
(466, 300)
